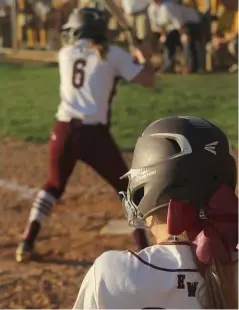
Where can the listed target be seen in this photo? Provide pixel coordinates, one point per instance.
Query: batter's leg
(103, 155)
(62, 160)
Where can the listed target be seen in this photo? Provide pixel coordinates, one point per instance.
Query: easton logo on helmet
(211, 147)
(145, 174)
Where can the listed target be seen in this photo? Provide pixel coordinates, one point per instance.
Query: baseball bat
(131, 37)
(119, 15)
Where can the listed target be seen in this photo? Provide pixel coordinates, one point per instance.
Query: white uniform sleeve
(87, 298)
(123, 63)
(175, 11)
(65, 64)
(166, 14)
(163, 17)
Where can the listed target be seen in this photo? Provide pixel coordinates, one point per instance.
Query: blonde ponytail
(220, 290)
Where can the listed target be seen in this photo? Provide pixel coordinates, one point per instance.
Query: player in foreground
(89, 69)
(182, 184)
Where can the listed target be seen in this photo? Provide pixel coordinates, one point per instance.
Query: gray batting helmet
(184, 158)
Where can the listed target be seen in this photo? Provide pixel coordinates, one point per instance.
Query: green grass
(29, 99)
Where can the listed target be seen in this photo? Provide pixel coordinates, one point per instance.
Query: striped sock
(41, 209)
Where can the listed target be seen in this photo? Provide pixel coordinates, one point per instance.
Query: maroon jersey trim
(175, 243)
(161, 268)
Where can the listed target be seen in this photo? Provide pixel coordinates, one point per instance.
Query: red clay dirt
(70, 240)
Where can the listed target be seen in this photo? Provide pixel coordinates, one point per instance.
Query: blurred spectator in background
(91, 3)
(224, 43)
(206, 10)
(57, 4)
(100, 4)
(3, 15)
(28, 23)
(21, 20)
(113, 26)
(38, 23)
(137, 17)
(41, 9)
(179, 26)
(57, 16)
(5, 23)
(86, 3)
(4, 5)
(186, 25)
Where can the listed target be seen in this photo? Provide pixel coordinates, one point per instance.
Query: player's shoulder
(120, 262)
(66, 53)
(114, 258)
(121, 271)
(67, 49)
(161, 257)
(116, 51)
(124, 260)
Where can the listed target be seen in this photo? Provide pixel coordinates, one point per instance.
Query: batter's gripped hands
(141, 56)
(143, 53)
(184, 39)
(138, 56)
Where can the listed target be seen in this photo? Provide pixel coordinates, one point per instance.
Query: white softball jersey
(134, 6)
(87, 84)
(171, 15)
(158, 277)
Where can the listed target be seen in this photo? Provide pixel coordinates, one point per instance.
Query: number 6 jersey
(87, 84)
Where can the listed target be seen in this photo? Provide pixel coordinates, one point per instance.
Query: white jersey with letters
(161, 276)
(87, 83)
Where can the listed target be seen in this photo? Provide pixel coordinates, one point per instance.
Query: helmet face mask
(141, 192)
(131, 212)
(180, 158)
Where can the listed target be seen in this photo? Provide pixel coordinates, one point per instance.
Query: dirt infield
(70, 240)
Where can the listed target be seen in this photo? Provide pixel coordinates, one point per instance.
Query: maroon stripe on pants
(62, 159)
(92, 144)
